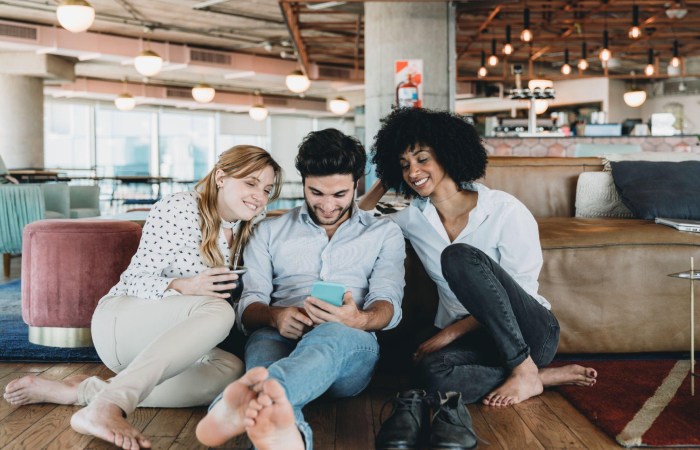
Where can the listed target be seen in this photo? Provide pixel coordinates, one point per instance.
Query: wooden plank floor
(546, 422)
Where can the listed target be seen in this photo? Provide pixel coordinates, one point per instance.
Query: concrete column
(407, 30)
(22, 121)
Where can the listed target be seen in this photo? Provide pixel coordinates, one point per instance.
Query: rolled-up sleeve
(386, 281)
(257, 281)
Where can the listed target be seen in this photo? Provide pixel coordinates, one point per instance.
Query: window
(123, 141)
(186, 142)
(67, 135)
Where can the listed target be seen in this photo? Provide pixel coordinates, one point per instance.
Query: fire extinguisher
(407, 93)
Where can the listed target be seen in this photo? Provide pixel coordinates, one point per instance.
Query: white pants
(163, 351)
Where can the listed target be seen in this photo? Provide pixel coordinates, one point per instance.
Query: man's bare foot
(225, 419)
(105, 420)
(33, 389)
(270, 420)
(523, 383)
(569, 374)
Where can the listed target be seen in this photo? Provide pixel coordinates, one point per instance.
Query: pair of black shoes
(407, 427)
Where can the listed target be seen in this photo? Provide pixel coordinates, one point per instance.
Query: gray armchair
(57, 200)
(84, 201)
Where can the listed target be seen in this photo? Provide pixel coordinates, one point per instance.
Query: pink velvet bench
(67, 267)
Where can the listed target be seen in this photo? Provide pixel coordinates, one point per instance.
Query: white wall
(286, 135)
(691, 109)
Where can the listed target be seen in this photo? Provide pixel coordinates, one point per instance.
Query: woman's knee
(455, 257)
(221, 316)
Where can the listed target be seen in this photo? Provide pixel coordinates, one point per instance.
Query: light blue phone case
(328, 292)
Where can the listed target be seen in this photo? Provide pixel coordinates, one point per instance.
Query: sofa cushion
(596, 196)
(649, 156)
(659, 189)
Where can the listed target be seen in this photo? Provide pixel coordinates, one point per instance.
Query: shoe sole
(453, 448)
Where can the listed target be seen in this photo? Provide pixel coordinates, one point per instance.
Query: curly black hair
(330, 152)
(456, 144)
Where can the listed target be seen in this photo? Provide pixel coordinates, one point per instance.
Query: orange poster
(408, 79)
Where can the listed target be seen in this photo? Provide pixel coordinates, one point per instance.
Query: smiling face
(423, 173)
(243, 198)
(329, 198)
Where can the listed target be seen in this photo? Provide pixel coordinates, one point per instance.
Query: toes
(264, 400)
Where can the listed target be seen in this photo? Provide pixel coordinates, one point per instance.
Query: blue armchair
(19, 205)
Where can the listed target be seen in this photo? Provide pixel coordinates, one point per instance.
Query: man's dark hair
(330, 152)
(456, 144)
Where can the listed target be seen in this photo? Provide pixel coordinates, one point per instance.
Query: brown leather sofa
(606, 278)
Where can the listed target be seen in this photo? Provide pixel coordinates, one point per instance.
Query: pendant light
(605, 53)
(566, 68)
(635, 97)
(649, 69)
(75, 15)
(148, 63)
(203, 93)
(675, 61)
(526, 34)
(339, 106)
(297, 82)
(635, 32)
(125, 101)
(507, 47)
(493, 59)
(482, 72)
(258, 111)
(583, 63)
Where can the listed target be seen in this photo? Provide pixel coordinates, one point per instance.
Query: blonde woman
(159, 326)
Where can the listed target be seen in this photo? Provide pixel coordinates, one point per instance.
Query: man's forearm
(377, 316)
(257, 315)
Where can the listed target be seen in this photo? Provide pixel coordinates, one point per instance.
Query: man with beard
(301, 347)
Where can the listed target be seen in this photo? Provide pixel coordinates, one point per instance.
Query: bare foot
(569, 374)
(523, 383)
(105, 420)
(225, 419)
(33, 389)
(270, 420)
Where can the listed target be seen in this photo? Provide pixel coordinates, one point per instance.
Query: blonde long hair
(239, 161)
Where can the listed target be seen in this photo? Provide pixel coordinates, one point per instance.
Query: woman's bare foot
(105, 420)
(33, 389)
(270, 420)
(569, 374)
(225, 419)
(523, 383)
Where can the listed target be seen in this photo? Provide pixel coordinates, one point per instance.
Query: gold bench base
(60, 337)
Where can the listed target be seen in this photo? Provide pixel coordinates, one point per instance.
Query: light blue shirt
(500, 226)
(288, 253)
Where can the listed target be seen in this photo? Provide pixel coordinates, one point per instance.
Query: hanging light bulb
(566, 68)
(339, 106)
(675, 61)
(482, 72)
(148, 63)
(541, 106)
(583, 63)
(605, 53)
(203, 93)
(75, 15)
(258, 111)
(649, 69)
(635, 32)
(297, 82)
(634, 98)
(526, 34)
(493, 59)
(125, 102)
(507, 47)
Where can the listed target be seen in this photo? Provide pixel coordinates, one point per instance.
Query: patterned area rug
(642, 403)
(14, 342)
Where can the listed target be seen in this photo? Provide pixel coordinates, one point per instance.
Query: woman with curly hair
(159, 326)
(494, 334)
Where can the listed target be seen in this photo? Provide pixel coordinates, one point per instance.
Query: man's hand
(203, 283)
(446, 336)
(347, 314)
(291, 322)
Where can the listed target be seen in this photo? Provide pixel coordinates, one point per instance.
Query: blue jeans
(331, 358)
(513, 326)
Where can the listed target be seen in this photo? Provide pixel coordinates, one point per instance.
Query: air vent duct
(335, 73)
(210, 57)
(174, 92)
(275, 101)
(18, 32)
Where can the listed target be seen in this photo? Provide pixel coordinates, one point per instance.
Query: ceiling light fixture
(482, 72)
(526, 34)
(125, 102)
(635, 32)
(649, 69)
(634, 97)
(540, 83)
(583, 63)
(507, 47)
(675, 61)
(148, 63)
(75, 15)
(605, 53)
(339, 106)
(203, 93)
(258, 111)
(566, 68)
(493, 59)
(297, 82)
(541, 106)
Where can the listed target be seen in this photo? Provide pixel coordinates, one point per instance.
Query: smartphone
(328, 292)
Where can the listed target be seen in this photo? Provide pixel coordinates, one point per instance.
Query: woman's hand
(203, 283)
(446, 336)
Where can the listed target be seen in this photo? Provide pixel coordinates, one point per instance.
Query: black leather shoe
(402, 430)
(451, 427)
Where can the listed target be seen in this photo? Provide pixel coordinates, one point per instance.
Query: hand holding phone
(328, 292)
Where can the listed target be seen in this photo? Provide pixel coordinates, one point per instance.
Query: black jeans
(513, 326)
